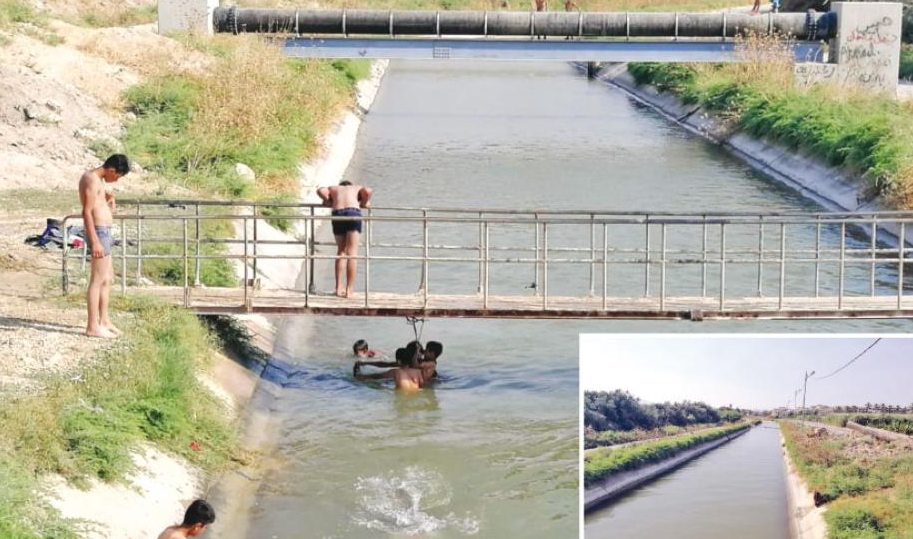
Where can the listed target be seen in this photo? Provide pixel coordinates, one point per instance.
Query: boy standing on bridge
(97, 208)
(346, 200)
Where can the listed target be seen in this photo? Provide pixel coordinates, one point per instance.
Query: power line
(851, 361)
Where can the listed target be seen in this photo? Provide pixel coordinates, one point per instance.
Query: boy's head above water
(433, 350)
(360, 348)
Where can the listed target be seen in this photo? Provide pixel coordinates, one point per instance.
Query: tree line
(619, 410)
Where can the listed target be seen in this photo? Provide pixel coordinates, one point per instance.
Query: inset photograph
(757, 437)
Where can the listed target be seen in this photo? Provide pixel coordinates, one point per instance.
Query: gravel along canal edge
(618, 484)
(832, 188)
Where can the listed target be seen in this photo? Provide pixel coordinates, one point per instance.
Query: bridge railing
(582, 254)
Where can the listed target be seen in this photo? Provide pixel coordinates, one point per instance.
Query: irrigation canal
(492, 451)
(735, 490)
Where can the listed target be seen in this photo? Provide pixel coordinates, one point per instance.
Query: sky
(751, 371)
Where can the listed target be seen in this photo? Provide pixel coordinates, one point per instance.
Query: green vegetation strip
(906, 63)
(85, 424)
(864, 133)
(869, 495)
(607, 461)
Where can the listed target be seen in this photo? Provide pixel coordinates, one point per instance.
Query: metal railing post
(246, 276)
(425, 259)
(139, 247)
(369, 224)
(256, 213)
(605, 266)
(874, 246)
(662, 267)
(544, 266)
(761, 257)
(186, 267)
(901, 250)
(481, 287)
(842, 264)
(704, 257)
(307, 261)
(484, 263)
(722, 265)
(592, 254)
(818, 257)
(197, 262)
(536, 276)
(312, 249)
(64, 263)
(782, 266)
(647, 257)
(123, 257)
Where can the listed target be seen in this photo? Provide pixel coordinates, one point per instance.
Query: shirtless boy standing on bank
(346, 200)
(97, 207)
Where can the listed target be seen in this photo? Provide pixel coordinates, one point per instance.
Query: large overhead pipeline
(811, 26)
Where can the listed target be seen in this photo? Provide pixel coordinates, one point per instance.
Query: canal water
(736, 490)
(492, 450)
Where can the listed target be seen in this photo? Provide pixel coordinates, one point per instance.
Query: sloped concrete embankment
(620, 483)
(805, 520)
(833, 188)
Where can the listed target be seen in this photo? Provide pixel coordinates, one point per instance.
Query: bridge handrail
(710, 254)
(505, 211)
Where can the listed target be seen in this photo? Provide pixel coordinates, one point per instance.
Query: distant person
(198, 516)
(346, 200)
(409, 376)
(570, 5)
(540, 5)
(756, 8)
(97, 209)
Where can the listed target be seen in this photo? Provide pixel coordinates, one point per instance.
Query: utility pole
(805, 388)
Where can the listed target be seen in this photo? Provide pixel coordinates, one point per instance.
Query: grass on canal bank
(871, 135)
(84, 425)
(604, 462)
(868, 488)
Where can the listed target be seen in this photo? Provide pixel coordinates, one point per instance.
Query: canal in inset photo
(713, 437)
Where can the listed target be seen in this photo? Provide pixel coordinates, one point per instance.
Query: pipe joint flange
(233, 19)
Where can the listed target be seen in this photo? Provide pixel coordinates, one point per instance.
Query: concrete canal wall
(620, 483)
(833, 188)
(805, 520)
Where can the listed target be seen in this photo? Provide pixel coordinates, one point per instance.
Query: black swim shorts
(340, 228)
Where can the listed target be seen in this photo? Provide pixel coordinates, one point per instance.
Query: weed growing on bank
(84, 425)
(602, 463)
(868, 489)
(906, 62)
(109, 16)
(868, 134)
(253, 107)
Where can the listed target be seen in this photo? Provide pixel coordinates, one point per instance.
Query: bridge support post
(866, 50)
(186, 16)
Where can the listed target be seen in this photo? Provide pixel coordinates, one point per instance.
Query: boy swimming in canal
(414, 368)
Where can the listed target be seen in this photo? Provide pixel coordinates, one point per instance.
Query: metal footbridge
(498, 263)
(514, 35)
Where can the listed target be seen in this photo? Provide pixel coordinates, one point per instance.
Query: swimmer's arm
(380, 363)
(356, 372)
(364, 196)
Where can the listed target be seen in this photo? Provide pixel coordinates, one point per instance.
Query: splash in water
(402, 503)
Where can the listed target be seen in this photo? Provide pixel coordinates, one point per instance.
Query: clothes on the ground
(340, 228)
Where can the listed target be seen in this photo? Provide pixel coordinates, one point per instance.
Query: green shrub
(605, 462)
